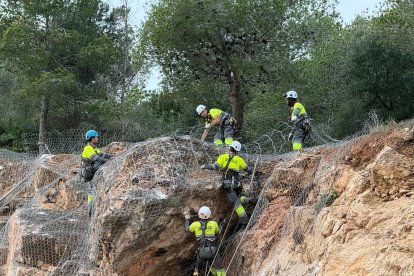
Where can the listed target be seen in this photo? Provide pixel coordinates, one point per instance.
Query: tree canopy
(79, 64)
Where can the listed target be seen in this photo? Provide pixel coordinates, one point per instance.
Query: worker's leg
(218, 267)
(97, 165)
(87, 173)
(198, 262)
(246, 200)
(298, 138)
(238, 207)
(228, 133)
(218, 138)
(91, 198)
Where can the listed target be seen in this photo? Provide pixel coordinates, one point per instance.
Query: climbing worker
(217, 117)
(231, 165)
(92, 159)
(92, 156)
(206, 232)
(300, 120)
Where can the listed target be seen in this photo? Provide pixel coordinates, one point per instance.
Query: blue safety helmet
(90, 134)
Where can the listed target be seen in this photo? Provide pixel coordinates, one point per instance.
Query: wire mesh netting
(44, 215)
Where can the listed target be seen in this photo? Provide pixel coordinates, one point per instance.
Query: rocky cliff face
(344, 209)
(356, 218)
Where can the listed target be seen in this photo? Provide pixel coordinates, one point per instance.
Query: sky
(348, 9)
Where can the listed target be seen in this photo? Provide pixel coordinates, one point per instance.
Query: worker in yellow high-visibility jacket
(92, 159)
(231, 164)
(92, 156)
(300, 120)
(217, 117)
(206, 232)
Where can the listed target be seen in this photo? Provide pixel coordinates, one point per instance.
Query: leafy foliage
(240, 56)
(227, 49)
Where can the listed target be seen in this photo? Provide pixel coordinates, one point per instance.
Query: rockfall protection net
(44, 215)
(60, 142)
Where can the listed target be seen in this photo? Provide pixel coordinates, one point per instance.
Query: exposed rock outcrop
(140, 198)
(343, 209)
(366, 231)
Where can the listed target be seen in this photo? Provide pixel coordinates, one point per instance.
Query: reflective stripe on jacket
(214, 112)
(89, 152)
(212, 229)
(298, 109)
(236, 163)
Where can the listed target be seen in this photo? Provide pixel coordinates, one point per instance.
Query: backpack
(206, 249)
(230, 178)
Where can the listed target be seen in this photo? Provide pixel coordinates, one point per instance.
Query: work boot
(244, 220)
(252, 201)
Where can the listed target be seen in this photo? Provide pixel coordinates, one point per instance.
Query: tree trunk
(42, 124)
(236, 101)
(124, 71)
(45, 103)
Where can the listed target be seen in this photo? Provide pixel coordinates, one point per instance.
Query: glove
(257, 174)
(222, 222)
(186, 213)
(232, 121)
(208, 167)
(101, 159)
(294, 118)
(207, 126)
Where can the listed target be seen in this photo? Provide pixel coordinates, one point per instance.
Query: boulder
(138, 223)
(42, 238)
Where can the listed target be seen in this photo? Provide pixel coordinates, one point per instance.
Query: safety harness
(229, 177)
(225, 118)
(206, 248)
(87, 171)
(304, 123)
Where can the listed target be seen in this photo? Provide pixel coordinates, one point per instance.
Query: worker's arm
(296, 111)
(205, 132)
(220, 163)
(248, 169)
(106, 155)
(210, 166)
(96, 157)
(216, 120)
(218, 228)
(187, 216)
(295, 114)
(187, 225)
(221, 225)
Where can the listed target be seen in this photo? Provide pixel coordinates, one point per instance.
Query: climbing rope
(222, 238)
(250, 219)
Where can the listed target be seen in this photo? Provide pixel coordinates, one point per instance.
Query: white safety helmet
(200, 108)
(204, 212)
(291, 94)
(236, 145)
